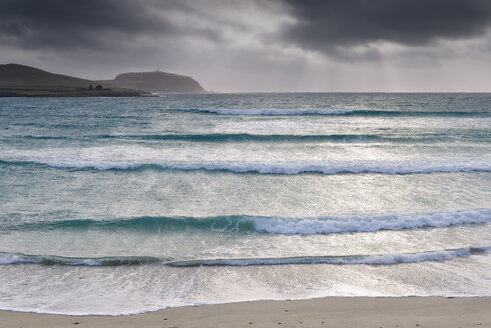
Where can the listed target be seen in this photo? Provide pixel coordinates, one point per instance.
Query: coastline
(319, 312)
(66, 93)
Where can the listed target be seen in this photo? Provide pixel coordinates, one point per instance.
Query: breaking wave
(288, 168)
(345, 112)
(270, 225)
(246, 137)
(376, 259)
(383, 259)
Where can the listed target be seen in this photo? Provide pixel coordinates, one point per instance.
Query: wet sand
(322, 312)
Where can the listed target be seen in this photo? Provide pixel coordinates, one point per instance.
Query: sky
(259, 45)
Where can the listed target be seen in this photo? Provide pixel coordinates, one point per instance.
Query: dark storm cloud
(88, 24)
(329, 24)
(259, 45)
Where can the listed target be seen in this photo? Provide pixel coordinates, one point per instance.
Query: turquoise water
(125, 205)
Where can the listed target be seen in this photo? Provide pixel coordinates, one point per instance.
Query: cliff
(21, 80)
(159, 82)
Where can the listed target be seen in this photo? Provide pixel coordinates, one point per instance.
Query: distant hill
(20, 76)
(21, 80)
(156, 82)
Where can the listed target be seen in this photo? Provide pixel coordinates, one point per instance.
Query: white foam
(333, 167)
(196, 158)
(313, 226)
(384, 167)
(6, 258)
(383, 259)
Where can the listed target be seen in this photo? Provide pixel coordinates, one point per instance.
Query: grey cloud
(333, 26)
(88, 24)
(252, 45)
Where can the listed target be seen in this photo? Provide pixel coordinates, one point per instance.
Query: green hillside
(20, 76)
(24, 81)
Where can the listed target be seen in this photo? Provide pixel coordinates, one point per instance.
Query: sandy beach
(323, 312)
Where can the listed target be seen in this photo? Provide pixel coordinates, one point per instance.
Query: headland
(25, 81)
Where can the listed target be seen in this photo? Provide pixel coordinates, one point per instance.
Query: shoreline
(401, 312)
(66, 93)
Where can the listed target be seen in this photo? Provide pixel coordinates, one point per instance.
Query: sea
(129, 205)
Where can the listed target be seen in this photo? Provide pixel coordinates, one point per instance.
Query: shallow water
(122, 205)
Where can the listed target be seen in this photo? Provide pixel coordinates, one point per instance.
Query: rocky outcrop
(157, 82)
(15, 76)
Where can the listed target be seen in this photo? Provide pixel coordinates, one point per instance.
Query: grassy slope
(20, 76)
(24, 81)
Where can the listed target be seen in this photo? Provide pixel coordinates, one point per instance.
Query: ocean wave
(344, 112)
(375, 259)
(150, 224)
(288, 168)
(370, 223)
(270, 225)
(268, 112)
(383, 259)
(19, 258)
(245, 137)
